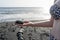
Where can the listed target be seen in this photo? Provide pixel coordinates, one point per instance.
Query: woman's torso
(55, 12)
(56, 29)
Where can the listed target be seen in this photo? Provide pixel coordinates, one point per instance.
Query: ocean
(23, 13)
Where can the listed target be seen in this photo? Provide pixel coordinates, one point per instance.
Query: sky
(25, 3)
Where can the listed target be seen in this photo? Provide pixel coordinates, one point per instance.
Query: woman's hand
(24, 23)
(27, 23)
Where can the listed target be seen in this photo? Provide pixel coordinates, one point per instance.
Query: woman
(54, 21)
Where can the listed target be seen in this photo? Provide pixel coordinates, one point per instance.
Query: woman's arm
(43, 24)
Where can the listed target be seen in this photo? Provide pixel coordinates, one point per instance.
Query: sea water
(25, 13)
